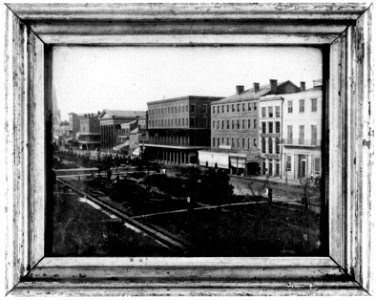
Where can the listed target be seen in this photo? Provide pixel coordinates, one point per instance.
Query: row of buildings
(109, 130)
(273, 129)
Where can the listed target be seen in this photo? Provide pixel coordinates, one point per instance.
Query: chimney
(302, 85)
(256, 87)
(273, 85)
(239, 89)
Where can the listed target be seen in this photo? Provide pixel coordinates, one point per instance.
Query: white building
(301, 133)
(270, 133)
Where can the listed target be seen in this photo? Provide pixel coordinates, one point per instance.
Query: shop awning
(137, 151)
(121, 146)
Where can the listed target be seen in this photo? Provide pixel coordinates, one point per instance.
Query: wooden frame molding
(347, 30)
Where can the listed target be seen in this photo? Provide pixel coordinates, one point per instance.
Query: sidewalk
(294, 182)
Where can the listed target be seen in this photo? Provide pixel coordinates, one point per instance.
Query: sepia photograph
(187, 151)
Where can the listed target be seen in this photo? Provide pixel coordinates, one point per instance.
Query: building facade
(110, 126)
(89, 135)
(74, 127)
(235, 125)
(270, 130)
(302, 133)
(177, 128)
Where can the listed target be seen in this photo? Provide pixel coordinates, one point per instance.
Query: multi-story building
(235, 125)
(302, 132)
(131, 136)
(89, 134)
(74, 127)
(178, 127)
(63, 133)
(270, 118)
(110, 126)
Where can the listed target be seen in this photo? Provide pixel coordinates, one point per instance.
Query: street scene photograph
(186, 151)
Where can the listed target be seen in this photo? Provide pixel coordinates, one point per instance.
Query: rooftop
(251, 94)
(109, 114)
(188, 97)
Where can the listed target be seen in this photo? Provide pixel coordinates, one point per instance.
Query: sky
(90, 79)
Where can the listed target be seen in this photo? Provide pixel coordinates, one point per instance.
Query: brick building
(270, 118)
(235, 124)
(178, 127)
(89, 135)
(110, 126)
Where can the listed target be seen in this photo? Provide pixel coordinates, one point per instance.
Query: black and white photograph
(188, 149)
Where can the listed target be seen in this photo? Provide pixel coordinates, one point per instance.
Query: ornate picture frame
(347, 32)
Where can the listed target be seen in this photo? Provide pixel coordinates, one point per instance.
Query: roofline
(188, 97)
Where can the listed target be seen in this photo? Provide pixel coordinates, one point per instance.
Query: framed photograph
(189, 149)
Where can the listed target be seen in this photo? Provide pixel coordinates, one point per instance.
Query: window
(228, 142)
(237, 124)
(192, 108)
(238, 107)
(233, 107)
(192, 122)
(289, 106)
(213, 109)
(249, 106)
(243, 107)
(204, 122)
(223, 141)
(288, 163)
(233, 124)
(277, 127)
(255, 142)
(223, 108)
(270, 127)
(270, 111)
(263, 126)
(301, 105)
(254, 106)
(301, 135)
(263, 145)
(243, 124)
(263, 112)
(232, 142)
(243, 143)
(317, 162)
(218, 109)
(249, 123)
(314, 135)
(238, 142)
(218, 125)
(213, 142)
(228, 108)
(255, 123)
(218, 142)
(314, 104)
(249, 143)
(289, 134)
(277, 147)
(270, 144)
(278, 111)
(228, 124)
(223, 124)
